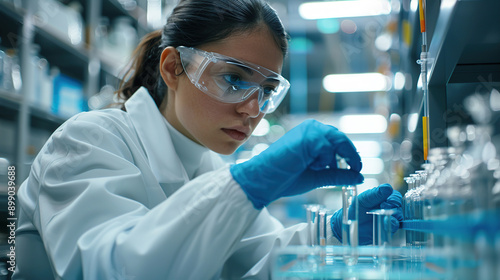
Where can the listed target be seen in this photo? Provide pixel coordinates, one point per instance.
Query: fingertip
(355, 161)
(356, 177)
(394, 224)
(397, 193)
(385, 190)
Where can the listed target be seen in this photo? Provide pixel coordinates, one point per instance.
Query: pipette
(423, 73)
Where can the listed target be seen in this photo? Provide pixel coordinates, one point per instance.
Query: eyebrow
(239, 64)
(249, 70)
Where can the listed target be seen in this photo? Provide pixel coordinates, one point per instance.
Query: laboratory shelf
(9, 99)
(115, 8)
(25, 29)
(71, 59)
(41, 118)
(10, 28)
(466, 40)
(10, 105)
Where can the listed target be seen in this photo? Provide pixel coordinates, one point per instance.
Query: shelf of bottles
(451, 226)
(57, 60)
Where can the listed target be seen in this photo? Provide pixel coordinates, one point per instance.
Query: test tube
(313, 223)
(417, 201)
(350, 224)
(382, 227)
(322, 227)
(382, 235)
(409, 208)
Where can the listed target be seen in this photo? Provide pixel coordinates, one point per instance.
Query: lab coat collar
(156, 141)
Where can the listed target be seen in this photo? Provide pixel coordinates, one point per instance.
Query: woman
(140, 193)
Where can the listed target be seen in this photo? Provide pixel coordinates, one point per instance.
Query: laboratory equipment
(382, 235)
(350, 219)
(423, 75)
(303, 262)
(322, 227)
(408, 207)
(316, 221)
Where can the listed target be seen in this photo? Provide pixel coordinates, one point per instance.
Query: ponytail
(143, 70)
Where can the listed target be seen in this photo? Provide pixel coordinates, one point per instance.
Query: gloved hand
(301, 160)
(381, 197)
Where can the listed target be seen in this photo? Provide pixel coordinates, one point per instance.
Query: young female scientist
(140, 193)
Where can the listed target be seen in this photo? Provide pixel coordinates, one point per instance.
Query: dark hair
(191, 24)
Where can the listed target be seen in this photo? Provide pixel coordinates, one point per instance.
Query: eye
(233, 80)
(268, 91)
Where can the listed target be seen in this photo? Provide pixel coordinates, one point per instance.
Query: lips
(238, 134)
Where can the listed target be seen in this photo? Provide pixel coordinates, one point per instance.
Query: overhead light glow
(368, 183)
(153, 14)
(399, 81)
(495, 100)
(372, 166)
(328, 26)
(412, 122)
(342, 9)
(259, 148)
(362, 82)
(414, 5)
(383, 42)
(262, 128)
(362, 124)
(368, 149)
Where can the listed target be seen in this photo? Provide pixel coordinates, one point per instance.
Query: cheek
(198, 113)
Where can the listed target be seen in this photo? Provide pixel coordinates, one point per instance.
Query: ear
(170, 66)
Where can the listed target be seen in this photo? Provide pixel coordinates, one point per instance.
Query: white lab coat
(107, 198)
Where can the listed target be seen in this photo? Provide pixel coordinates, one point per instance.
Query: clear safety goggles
(232, 81)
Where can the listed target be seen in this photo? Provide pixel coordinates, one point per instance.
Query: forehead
(256, 46)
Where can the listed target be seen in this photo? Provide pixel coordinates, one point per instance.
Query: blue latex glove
(301, 160)
(381, 197)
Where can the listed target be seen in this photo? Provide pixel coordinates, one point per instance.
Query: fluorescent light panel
(363, 124)
(372, 166)
(368, 149)
(362, 82)
(343, 9)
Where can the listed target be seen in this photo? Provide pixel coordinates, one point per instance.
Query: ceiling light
(383, 42)
(412, 122)
(368, 148)
(342, 9)
(362, 82)
(372, 166)
(361, 124)
(399, 81)
(262, 128)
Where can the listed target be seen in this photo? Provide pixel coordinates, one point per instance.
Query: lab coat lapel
(156, 141)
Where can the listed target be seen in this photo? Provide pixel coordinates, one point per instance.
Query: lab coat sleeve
(91, 211)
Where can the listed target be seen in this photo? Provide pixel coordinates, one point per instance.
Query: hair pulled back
(191, 24)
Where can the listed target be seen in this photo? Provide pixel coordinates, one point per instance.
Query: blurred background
(351, 64)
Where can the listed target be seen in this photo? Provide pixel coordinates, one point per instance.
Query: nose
(250, 106)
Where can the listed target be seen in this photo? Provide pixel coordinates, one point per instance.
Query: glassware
(350, 223)
(408, 207)
(382, 235)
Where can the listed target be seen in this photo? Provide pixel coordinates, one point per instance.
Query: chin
(226, 149)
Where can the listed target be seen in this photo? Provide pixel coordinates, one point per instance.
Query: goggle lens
(232, 81)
